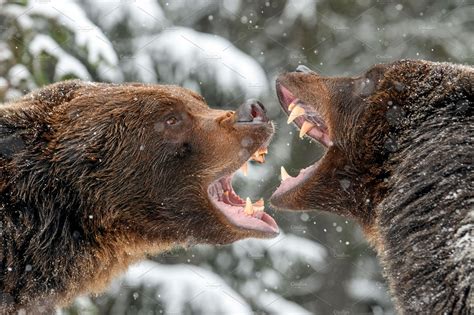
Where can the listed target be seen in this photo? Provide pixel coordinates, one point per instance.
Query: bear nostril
(260, 105)
(252, 111)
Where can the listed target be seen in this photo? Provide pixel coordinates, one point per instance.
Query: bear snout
(251, 111)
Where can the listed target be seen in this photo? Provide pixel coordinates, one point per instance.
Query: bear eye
(171, 121)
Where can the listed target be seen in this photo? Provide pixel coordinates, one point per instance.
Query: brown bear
(399, 158)
(93, 176)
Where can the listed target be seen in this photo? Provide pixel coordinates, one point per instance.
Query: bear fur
(399, 161)
(93, 176)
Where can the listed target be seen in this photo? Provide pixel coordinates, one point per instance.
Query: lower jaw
(257, 223)
(292, 185)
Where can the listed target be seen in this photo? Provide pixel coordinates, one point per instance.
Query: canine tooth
(259, 158)
(284, 174)
(248, 206)
(296, 112)
(307, 126)
(245, 169)
(262, 151)
(292, 105)
(259, 155)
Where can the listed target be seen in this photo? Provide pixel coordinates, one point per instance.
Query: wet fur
(426, 219)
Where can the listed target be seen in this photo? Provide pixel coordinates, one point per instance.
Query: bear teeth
(284, 174)
(293, 103)
(295, 113)
(258, 156)
(254, 208)
(307, 126)
(248, 207)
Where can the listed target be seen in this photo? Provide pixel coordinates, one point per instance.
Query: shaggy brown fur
(401, 165)
(93, 176)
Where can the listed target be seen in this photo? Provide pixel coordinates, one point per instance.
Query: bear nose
(304, 69)
(252, 111)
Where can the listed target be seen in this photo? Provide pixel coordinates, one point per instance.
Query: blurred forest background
(229, 51)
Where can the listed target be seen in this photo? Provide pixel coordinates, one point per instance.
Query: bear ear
(58, 93)
(16, 118)
(367, 83)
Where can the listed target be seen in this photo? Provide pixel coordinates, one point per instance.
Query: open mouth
(305, 117)
(244, 214)
(311, 124)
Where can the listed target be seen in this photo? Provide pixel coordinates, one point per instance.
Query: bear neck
(66, 248)
(421, 220)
